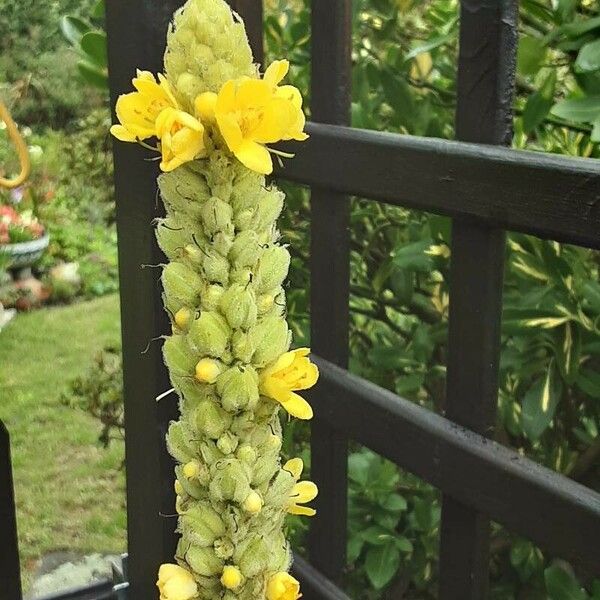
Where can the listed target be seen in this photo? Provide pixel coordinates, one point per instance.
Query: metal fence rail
(485, 189)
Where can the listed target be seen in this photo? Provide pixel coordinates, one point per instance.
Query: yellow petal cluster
(302, 492)
(137, 112)
(251, 113)
(176, 583)
(282, 586)
(291, 372)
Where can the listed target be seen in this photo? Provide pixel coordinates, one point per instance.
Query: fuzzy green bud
(201, 524)
(212, 420)
(238, 304)
(209, 334)
(247, 454)
(238, 389)
(182, 286)
(242, 346)
(272, 338)
(204, 561)
(211, 296)
(216, 217)
(272, 268)
(229, 481)
(216, 267)
(227, 443)
(178, 442)
(245, 249)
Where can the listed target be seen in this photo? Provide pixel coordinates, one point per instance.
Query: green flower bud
(204, 561)
(183, 191)
(222, 243)
(216, 267)
(245, 250)
(212, 420)
(242, 346)
(182, 286)
(224, 548)
(253, 556)
(179, 359)
(265, 467)
(227, 443)
(238, 304)
(238, 389)
(209, 334)
(178, 442)
(272, 268)
(210, 296)
(216, 217)
(271, 338)
(171, 237)
(246, 453)
(229, 481)
(201, 524)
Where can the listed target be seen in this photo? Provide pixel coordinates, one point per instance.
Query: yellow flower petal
(298, 407)
(230, 130)
(304, 491)
(276, 71)
(122, 134)
(255, 157)
(304, 511)
(295, 466)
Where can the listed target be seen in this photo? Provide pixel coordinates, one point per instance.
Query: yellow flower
(231, 577)
(137, 112)
(176, 583)
(291, 371)
(302, 492)
(282, 586)
(207, 370)
(251, 113)
(181, 138)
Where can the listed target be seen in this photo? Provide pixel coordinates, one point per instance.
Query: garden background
(60, 365)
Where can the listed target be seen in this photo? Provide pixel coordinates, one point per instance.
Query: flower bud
(242, 346)
(178, 442)
(210, 296)
(212, 420)
(247, 454)
(178, 488)
(253, 503)
(183, 318)
(268, 209)
(245, 250)
(191, 469)
(282, 586)
(170, 236)
(216, 267)
(271, 338)
(224, 548)
(216, 216)
(209, 334)
(182, 286)
(264, 303)
(238, 389)
(272, 268)
(207, 370)
(201, 524)
(265, 467)
(203, 561)
(231, 577)
(183, 191)
(178, 357)
(222, 242)
(238, 304)
(253, 556)
(227, 443)
(229, 481)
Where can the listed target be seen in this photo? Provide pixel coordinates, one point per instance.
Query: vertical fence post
(10, 572)
(486, 71)
(136, 39)
(330, 93)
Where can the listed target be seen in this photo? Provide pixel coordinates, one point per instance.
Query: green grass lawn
(70, 491)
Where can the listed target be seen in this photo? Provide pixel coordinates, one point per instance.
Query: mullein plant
(229, 356)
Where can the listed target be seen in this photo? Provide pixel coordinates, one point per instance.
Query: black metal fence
(485, 189)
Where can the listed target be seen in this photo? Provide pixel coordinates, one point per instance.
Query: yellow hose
(22, 152)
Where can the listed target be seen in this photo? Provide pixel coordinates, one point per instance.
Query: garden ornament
(20, 146)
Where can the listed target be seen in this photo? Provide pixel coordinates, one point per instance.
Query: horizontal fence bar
(551, 510)
(100, 590)
(549, 196)
(314, 585)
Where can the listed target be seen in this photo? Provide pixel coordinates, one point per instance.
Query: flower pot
(25, 254)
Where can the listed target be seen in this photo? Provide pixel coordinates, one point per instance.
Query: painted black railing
(486, 189)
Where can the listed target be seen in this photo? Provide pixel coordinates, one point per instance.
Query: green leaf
(99, 10)
(539, 104)
(73, 29)
(580, 110)
(394, 502)
(403, 544)
(413, 257)
(429, 45)
(561, 585)
(354, 547)
(589, 383)
(93, 74)
(358, 467)
(539, 405)
(588, 58)
(580, 27)
(568, 351)
(93, 43)
(376, 535)
(531, 54)
(381, 564)
(595, 136)
(399, 96)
